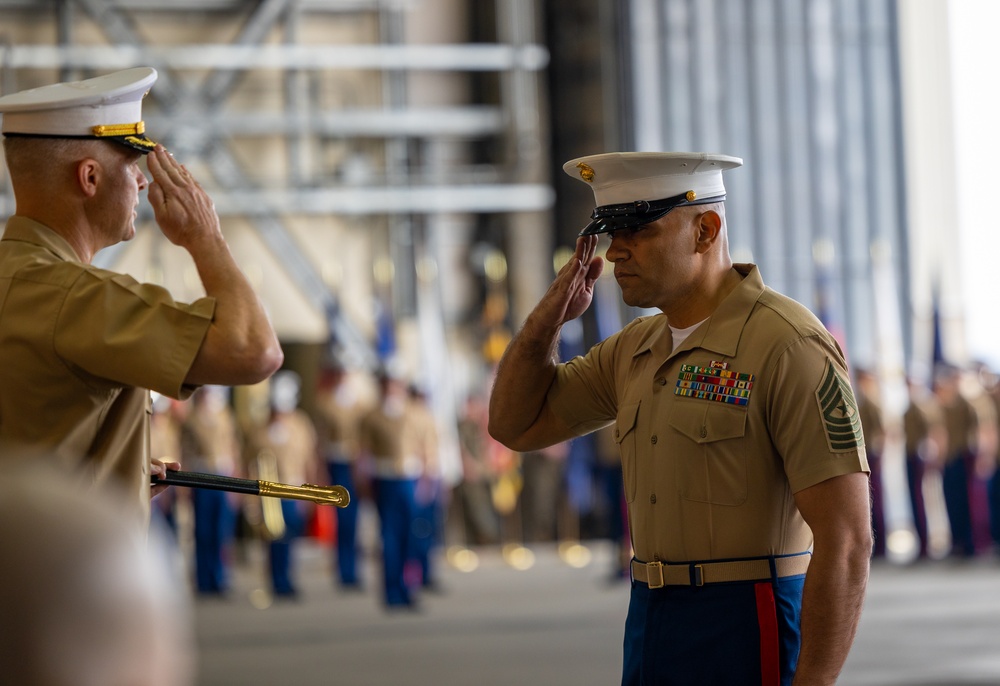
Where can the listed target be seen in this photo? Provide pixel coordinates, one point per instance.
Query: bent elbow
(518, 441)
(254, 364)
(271, 361)
(266, 362)
(498, 434)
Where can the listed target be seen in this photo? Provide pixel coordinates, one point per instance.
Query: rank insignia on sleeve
(714, 383)
(839, 410)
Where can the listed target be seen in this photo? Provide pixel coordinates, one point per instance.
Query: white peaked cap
(104, 107)
(626, 184)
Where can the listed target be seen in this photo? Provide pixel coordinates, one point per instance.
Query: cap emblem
(586, 171)
(690, 196)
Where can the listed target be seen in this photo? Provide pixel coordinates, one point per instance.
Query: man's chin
(631, 299)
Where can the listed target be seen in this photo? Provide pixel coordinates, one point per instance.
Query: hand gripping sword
(325, 495)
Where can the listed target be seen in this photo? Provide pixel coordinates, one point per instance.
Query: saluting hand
(571, 293)
(183, 210)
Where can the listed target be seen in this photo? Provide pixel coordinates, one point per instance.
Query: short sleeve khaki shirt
(80, 346)
(291, 438)
(716, 436)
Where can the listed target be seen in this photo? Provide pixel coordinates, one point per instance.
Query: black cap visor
(631, 215)
(136, 141)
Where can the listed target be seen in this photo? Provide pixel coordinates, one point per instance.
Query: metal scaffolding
(305, 109)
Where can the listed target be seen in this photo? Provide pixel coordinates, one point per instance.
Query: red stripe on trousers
(767, 620)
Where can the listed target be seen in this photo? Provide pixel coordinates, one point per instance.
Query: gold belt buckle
(658, 566)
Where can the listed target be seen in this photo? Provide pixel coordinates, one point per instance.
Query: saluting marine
(742, 452)
(82, 346)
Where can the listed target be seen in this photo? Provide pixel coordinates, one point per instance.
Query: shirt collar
(721, 332)
(21, 228)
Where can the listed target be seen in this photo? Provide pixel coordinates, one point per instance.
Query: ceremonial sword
(326, 495)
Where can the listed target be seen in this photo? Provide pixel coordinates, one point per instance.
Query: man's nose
(615, 251)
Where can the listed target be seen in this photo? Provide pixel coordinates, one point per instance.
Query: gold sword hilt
(326, 495)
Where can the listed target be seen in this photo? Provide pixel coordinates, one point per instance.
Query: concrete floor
(554, 624)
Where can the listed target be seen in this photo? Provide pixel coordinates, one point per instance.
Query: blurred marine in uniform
(426, 529)
(738, 430)
(958, 469)
(210, 444)
(83, 346)
(338, 410)
(925, 438)
(388, 447)
(288, 441)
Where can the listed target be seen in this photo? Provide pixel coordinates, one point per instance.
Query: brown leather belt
(658, 574)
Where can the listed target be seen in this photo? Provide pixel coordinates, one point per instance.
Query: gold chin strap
(106, 130)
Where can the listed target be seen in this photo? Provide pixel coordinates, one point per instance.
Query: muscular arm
(240, 346)
(519, 417)
(837, 511)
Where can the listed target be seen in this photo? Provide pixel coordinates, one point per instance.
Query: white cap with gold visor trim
(106, 107)
(635, 188)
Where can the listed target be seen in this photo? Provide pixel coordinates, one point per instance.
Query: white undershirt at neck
(680, 335)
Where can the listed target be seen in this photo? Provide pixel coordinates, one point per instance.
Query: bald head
(85, 600)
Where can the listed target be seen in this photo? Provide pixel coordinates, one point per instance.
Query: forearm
(240, 347)
(519, 417)
(832, 600)
(523, 378)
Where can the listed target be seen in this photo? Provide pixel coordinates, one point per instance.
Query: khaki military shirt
(871, 423)
(922, 417)
(961, 423)
(210, 442)
(80, 346)
(393, 437)
(338, 415)
(291, 438)
(716, 436)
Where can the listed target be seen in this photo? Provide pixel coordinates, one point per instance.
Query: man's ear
(709, 228)
(88, 175)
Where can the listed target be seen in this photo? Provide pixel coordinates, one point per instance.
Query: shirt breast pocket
(711, 452)
(625, 438)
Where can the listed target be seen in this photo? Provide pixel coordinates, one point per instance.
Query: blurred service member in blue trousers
(387, 446)
(289, 438)
(339, 410)
(427, 512)
(210, 443)
(743, 458)
(926, 439)
(958, 470)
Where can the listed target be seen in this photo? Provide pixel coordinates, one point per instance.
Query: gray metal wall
(807, 93)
